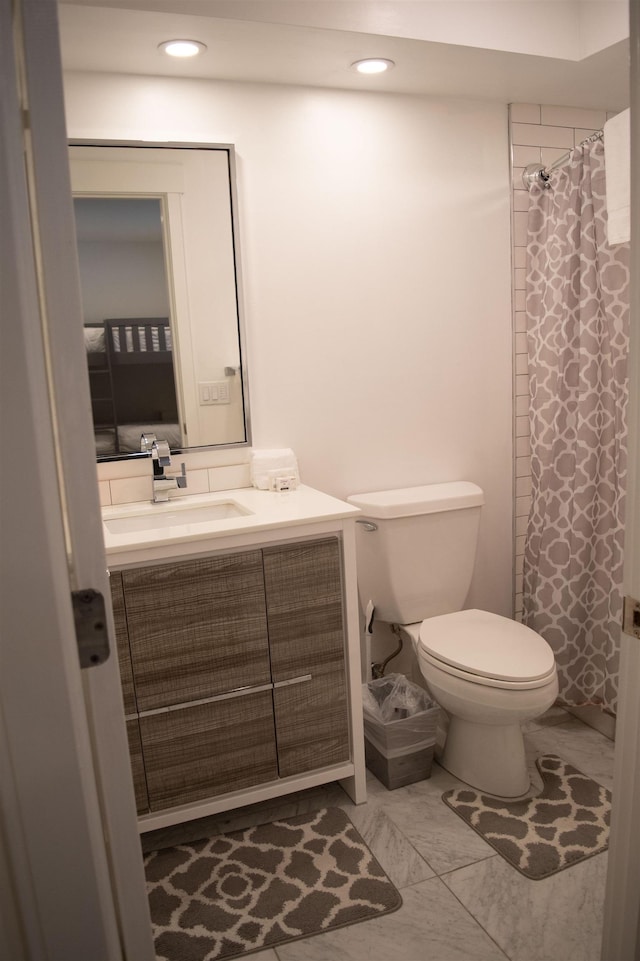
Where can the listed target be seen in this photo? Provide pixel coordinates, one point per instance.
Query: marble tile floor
(461, 900)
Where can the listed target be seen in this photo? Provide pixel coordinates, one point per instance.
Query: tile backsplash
(537, 134)
(128, 481)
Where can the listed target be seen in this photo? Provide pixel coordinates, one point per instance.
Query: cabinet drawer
(137, 766)
(208, 749)
(122, 643)
(196, 628)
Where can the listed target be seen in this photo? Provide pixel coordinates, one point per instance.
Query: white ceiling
(506, 50)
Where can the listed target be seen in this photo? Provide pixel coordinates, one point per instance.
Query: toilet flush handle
(368, 525)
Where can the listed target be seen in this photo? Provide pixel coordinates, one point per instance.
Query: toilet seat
(487, 649)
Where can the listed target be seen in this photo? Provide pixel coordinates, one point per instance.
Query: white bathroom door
(70, 860)
(621, 937)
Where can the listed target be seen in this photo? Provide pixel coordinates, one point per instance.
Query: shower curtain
(577, 305)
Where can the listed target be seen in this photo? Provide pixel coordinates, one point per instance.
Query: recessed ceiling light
(376, 65)
(182, 48)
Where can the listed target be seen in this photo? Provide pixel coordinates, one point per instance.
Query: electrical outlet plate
(631, 616)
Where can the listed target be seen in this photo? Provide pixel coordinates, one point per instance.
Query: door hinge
(91, 627)
(631, 616)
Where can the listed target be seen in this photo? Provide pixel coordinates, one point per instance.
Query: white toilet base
(488, 757)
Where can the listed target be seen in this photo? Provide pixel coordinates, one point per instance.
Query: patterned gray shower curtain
(577, 304)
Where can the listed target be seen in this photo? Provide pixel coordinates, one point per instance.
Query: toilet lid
(487, 645)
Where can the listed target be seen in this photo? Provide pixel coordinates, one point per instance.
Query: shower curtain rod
(539, 174)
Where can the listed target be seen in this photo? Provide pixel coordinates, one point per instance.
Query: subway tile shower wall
(537, 134)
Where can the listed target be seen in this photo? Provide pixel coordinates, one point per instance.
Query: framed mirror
(157, 237)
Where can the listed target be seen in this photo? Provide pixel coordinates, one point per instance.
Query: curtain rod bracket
(535, 174)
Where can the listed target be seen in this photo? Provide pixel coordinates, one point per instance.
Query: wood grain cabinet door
(137, 765)
(122, 642)
(204, 750)
(303, 584)
(197, 628)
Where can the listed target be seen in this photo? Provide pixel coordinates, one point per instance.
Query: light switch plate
(213, 392)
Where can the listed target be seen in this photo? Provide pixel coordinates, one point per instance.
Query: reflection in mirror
(123, 279)
(159, 281)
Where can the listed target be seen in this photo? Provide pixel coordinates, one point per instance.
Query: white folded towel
(617, 157)
(263, 462)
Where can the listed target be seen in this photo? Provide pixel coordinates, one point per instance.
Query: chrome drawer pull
(227, 696)
(292, 680)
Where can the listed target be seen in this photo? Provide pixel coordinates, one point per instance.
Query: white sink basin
(161, 520)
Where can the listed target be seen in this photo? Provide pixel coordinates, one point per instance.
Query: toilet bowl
(490, 674)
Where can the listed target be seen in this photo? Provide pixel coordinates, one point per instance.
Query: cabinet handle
(367, 525)
(292, 680)
(238, 692)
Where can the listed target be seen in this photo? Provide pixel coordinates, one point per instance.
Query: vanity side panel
(205, 750)
(196, 628)
(137, 766)
(122, 642)
(303, 584)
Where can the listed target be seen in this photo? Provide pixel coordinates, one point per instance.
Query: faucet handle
(181, 479)
(160, 452)
(146, 443)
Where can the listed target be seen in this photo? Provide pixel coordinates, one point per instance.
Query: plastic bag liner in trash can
(400, 721)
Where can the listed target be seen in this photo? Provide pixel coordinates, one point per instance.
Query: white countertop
(265, 511)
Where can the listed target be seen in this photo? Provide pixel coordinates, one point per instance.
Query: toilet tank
(416, 549)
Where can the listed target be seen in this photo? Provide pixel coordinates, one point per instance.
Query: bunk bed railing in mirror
(132, 384)
(181, 376)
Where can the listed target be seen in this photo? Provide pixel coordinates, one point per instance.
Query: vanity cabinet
(233, 670)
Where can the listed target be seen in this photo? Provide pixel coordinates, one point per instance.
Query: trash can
(400, 721)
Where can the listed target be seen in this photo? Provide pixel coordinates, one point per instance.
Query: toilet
(415, 554)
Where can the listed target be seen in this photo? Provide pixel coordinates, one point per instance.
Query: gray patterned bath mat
(236, 893)
(566, 823)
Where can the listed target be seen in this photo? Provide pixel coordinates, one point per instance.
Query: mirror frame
(229, 149)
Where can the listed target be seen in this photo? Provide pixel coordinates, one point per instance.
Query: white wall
(601, 24)
(376, 257)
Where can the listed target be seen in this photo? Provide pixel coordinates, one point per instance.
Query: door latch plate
(631, 616)
(91, 627)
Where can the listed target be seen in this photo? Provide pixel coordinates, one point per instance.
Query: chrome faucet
(146, 443)
(160, 459)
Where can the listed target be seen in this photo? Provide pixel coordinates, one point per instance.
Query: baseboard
(596, 718)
